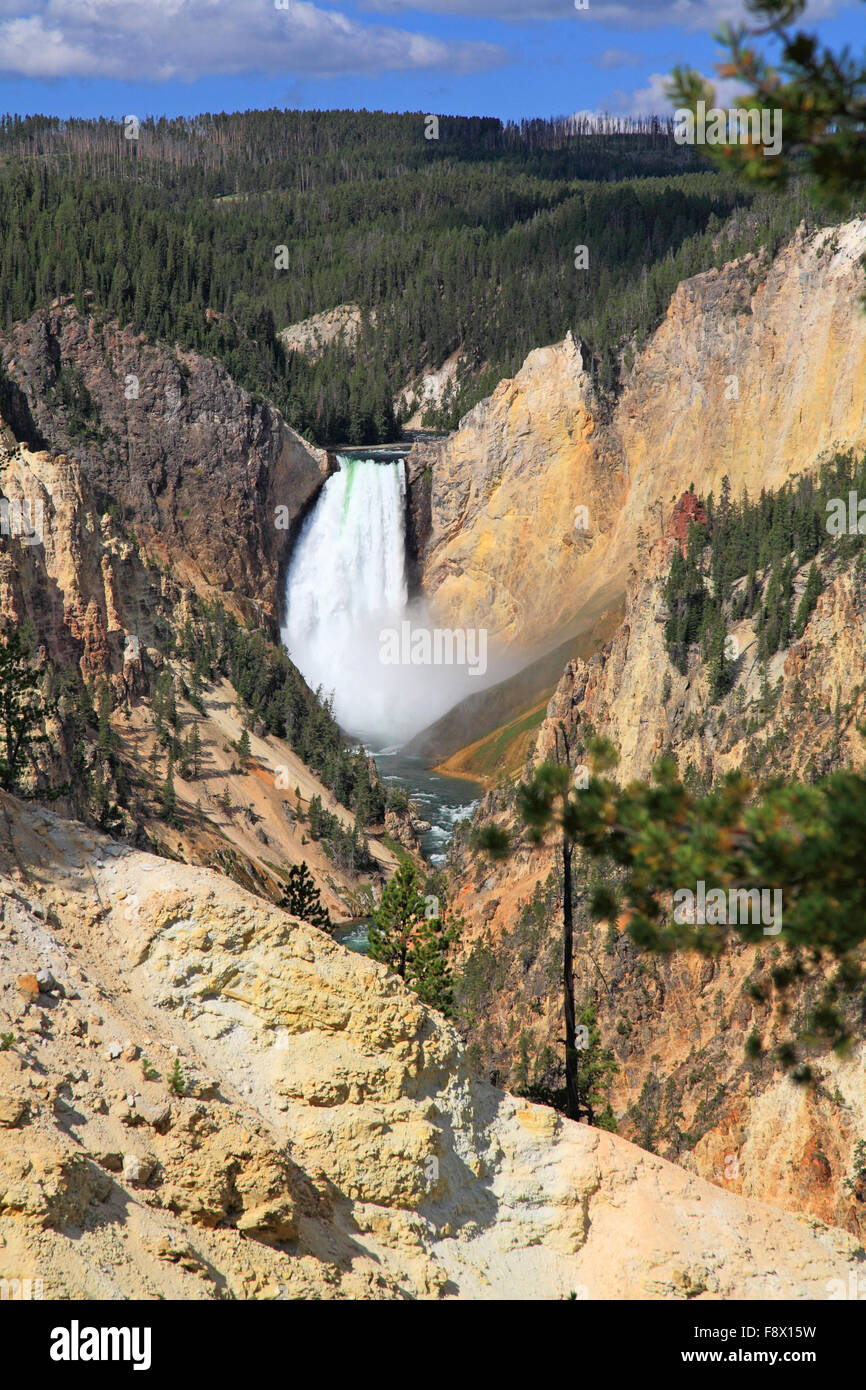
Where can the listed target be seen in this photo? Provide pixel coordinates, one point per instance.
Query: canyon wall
(110, 581)
(756, 372)
(503, 551)
(202, 1097)
(677, 1026)
(189, 460)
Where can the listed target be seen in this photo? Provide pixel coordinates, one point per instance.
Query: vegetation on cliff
(303, 899)
(761, 541)
(274, 693)
(469, 242)
(60, 741)
(22, 709)
(414, 936)
(652, 840)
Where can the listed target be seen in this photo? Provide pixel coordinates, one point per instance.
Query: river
(443, 801)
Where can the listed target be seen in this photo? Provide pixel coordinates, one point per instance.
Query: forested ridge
(463, 242)
(763, 541)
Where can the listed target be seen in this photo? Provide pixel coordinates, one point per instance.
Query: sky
(506, 58)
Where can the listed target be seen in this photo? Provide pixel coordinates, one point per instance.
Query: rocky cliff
(677, 1026)
(187, 459)
(756, 371)
(155, 510)
(201, 1097)
(504, 551)
(312, 335)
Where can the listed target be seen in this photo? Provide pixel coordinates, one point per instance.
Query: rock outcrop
(312, 335)
(104, 598)
(507, 544)
(538, 497)
(82, 585)
(202, 1097)
(212, 481)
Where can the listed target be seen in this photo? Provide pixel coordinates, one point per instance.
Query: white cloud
(29, 48)
(163, 39)
(691, 15)
(645, 101)
(617, 58)
(650, 100)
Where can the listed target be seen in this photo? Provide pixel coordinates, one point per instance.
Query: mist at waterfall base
(347, 583)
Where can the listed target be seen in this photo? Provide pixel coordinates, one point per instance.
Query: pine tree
(416, 947)
(176, 1081)
(595, 1064)
(548, 803)
(105, 737)
(806, 606)
(22, 709)
(303, 899)
(194, 750)
(428, 970)
(719, 666)
(816, 95)
(168, 796)
(196, 694)
(397, 916)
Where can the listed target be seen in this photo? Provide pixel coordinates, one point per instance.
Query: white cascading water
(345, 584)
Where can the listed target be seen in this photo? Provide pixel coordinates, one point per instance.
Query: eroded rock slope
(756, 372)
(201, 1097)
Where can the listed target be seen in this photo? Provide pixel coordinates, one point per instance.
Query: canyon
(326, 1135)
(139, 535)
(535, 503)
(676, 1027)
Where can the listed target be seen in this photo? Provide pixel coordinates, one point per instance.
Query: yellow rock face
(325, 1137)
(756, 372)
(687, 1017)
(509, 542)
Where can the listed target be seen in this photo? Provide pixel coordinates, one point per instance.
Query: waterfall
(346, 585)
(346, 580)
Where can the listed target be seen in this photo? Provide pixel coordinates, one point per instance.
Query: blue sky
(507, 58)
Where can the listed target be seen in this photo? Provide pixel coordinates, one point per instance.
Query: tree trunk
(572, 1095)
